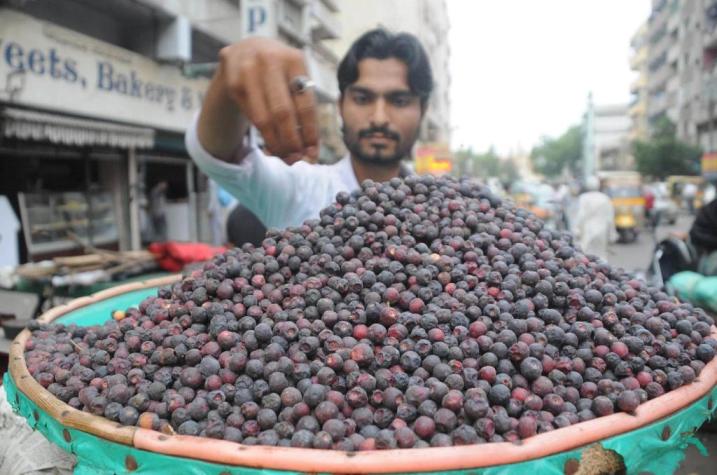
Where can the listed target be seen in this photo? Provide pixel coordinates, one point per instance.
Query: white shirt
(595, 223)
(278, 194)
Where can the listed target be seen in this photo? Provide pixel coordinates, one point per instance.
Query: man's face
(380, 113)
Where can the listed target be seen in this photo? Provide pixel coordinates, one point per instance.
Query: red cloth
(173, 256)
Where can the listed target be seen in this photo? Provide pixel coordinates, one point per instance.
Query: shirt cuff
(242, 164)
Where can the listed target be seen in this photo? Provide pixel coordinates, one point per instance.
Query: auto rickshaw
(624, 189)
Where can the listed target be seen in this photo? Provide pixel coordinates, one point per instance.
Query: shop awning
(33, 125)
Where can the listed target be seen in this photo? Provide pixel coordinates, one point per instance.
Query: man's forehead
(382, 75)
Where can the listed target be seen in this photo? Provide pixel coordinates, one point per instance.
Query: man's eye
(361, 98)
(401, 101)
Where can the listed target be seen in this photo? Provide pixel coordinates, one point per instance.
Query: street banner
(709, 166)
(434, 159)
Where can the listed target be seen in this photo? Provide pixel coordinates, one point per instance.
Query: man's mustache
(385, 131)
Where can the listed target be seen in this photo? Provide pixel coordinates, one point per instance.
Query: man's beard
(376, 155)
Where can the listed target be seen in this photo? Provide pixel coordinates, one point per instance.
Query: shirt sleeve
(264, 184)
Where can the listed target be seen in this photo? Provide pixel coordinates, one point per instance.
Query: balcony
(324, 22)
(708, 88)
(292, 21)
(673, 53)
(331, 5)
(659, 44)
(657, 105)
(637, 110)
(657, 80)
(658, 16)
(657, 62)
(674, 98)
(702, 115)
(709, 37)
(673, 23)
(639, 83)
(638, 59)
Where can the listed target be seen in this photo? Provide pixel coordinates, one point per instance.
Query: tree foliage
(553, 155)
(664, 155)
(484, 165)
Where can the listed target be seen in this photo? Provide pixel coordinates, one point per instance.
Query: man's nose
(380, 113)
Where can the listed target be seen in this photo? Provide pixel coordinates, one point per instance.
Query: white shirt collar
(346, 172)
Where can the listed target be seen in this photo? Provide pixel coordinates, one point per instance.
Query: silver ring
(301, 84)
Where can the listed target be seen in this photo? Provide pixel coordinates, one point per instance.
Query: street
(635, 257)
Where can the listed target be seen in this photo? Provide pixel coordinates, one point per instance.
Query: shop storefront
(87, 131)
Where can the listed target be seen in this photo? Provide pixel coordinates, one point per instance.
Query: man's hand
(255, 75)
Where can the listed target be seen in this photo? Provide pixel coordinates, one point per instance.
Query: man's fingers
(258, 110)
(283, 113)
(306, 112)
(305, 105)
(259, 82)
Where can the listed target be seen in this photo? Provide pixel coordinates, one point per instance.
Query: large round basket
(652, 440)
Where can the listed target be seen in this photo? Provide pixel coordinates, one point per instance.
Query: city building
(662, 64)
(428, 20)
(696, 50)
(606, 133)
(612, 127)
(681, 75)
(638, 88)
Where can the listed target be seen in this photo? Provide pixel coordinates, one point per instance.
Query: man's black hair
(382, 44)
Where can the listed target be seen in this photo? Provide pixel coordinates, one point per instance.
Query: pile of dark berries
(416, 313)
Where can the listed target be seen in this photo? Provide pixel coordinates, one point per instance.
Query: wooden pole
(134, 188)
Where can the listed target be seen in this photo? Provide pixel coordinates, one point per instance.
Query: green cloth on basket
(695, 288)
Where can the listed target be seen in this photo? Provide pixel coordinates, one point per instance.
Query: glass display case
(56, 222)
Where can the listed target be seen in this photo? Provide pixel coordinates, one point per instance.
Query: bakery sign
(50, 67)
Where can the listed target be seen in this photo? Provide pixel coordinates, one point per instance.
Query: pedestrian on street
(689, 193)
(651, 214)
(385, 81)
(158, 210)
(562, 201)
(594, 224)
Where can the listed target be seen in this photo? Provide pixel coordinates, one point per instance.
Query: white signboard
(51, 67)
(258, 18)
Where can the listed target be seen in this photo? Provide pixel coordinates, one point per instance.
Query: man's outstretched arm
(252, 87)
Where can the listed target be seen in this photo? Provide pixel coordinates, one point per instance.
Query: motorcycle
(671, 255)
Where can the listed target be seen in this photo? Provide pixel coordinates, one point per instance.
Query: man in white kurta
(594, 224)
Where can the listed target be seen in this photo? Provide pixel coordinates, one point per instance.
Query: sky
(522, 69)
